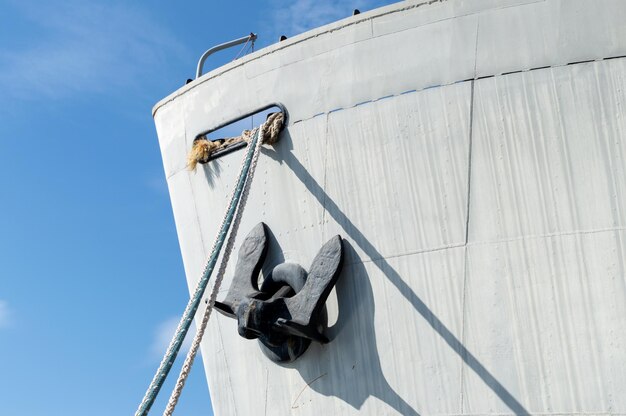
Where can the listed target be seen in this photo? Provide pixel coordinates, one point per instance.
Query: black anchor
(286, 313)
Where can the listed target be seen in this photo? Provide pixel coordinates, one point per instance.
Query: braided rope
(191, 355)
(194, 302)
(272, 127)
(267, 133)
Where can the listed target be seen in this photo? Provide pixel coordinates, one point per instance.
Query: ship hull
(471, 154)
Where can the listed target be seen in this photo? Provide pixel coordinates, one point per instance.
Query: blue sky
(91, 278)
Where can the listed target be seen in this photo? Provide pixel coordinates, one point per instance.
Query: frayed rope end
(200, 152)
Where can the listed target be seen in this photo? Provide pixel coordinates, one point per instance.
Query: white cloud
(5, 314)
(163, 335)
(81, 47)
(293, 17)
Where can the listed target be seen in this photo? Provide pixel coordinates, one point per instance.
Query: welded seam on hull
(465, 250)
(408, 253)
(290, 43)
(490, 242)
(459, 16)
(195, 208)
(326, 130)
(366, 19)
(467, 218)
(547, 235)
(267, 384)
(230, 382)
(411, 91)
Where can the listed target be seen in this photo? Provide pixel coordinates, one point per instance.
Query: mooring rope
(232, 215)
(191, 355)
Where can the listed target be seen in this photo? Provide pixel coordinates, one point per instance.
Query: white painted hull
(475, 166)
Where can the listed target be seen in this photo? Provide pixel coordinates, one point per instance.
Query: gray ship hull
(472, 155)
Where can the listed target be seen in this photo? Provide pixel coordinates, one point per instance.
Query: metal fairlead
(287, 312)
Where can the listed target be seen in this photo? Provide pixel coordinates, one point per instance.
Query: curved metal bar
(251, 37)
(240, 145)
(248, 114)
